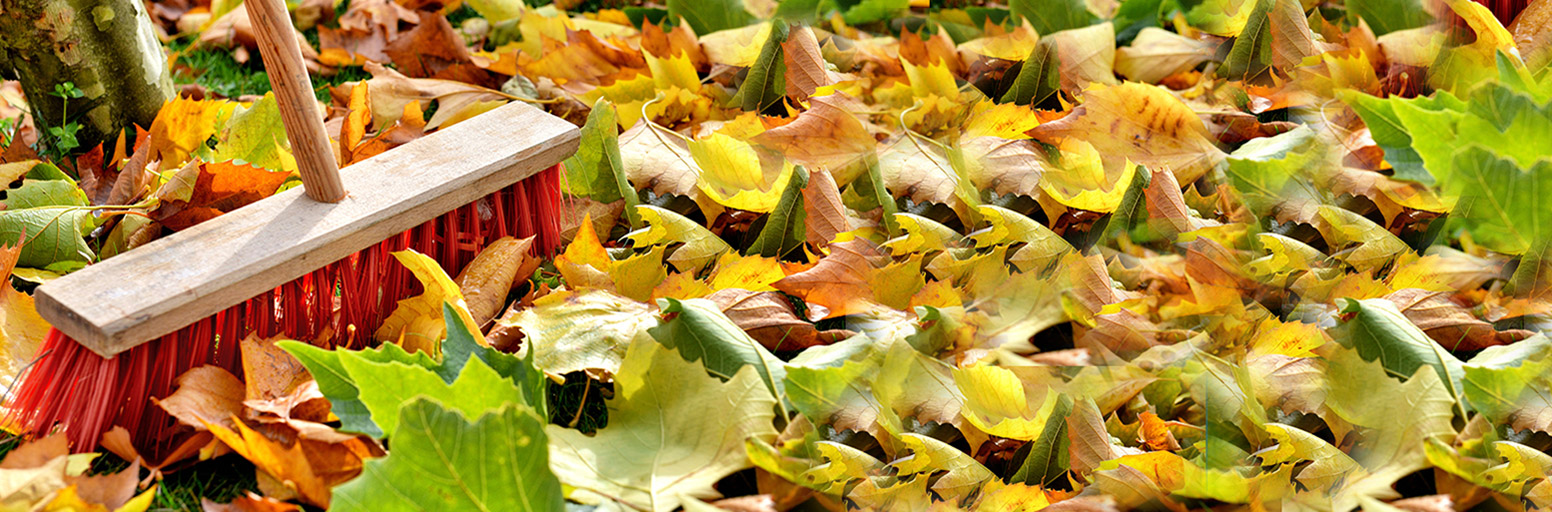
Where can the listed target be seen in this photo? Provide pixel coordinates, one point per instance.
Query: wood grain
(282, 54)
(145, 293)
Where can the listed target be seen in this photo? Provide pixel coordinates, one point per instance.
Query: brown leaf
(1292, 39)
(806, 68)
(840, 281)
(432, 49)
(1144, 123)
(673, 43)
(486, 281)
(278, 384)
(206, 395)
(1449, 323)
(1090, 442)
(769, 318)
(1434, 503)
(1167, 210)
(1155, 433)
(1087, 55)
(824, 215)
(1157, 53)
(118, 442)
(829, 135)
(658, 160)
(37, 453)
(203, 191)
(110, 490)
(391, 92)
(358, 117)
(298, 465)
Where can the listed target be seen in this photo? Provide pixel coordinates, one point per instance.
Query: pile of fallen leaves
(884, 255)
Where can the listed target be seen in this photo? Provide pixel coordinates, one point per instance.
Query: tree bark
(107, 48)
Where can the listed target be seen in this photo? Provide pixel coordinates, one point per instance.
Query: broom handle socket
(282, 53)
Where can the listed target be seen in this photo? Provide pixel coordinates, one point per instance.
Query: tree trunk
(107, 48)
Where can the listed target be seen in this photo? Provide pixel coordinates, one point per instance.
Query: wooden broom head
(158, 288)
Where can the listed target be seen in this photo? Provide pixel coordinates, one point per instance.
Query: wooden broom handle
(282, 53)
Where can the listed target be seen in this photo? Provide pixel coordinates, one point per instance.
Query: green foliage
(765, 83)
(1386, 16)
(444, 460)
(596, 171)
(707, 16)
(366, 387)
(1052, 16)
(784, 229)
(1039, 78)
(1251, 54)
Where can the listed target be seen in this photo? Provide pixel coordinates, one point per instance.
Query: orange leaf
(203, 191)
(840, 281)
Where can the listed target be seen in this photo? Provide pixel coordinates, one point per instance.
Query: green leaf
(384, 386)
(1502, 203)
(1263, 168)
(1501, 394)
(868, 192)
(582, 329)
(673, 431)
(54, 234)
(707, 16)
(1052, 16)
(596, 170)
(1386, 16)
(1400, 415)
(1389, 134)
(390, 371)
(799, 11)
(699, 331)
(41, 193)
(1251, 54)
(765, 83)
(1134, 15)
(443, 461)
(257, 136)
(784, 229)
(1039, 77)
(1379, 331)
(1045, 458)
(868, 11)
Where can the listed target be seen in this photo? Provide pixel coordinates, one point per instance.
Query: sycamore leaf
(391, 92)
(661, 443)
(963, 474)
(255, 135)
(574, 330)
(200, 192)
(21, 329)
(181, 128)
(52, 234)
(826, 136)
(343, 389)
(735, 175)
(1038, 79)
(707, 16)
(806, 69)
(486, 281)
(840, 282)
(1362, 393)
(1362, 243)
(701, 246)
(1251, 54)
(1142, 123)
(498, 459)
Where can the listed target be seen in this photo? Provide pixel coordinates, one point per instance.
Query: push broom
(288, 265)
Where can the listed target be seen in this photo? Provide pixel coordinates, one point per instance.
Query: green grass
(217, 71)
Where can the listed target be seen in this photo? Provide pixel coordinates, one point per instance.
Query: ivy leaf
(765, 84)
(1045, 458)
(1251, 54)
(785, 228)
(1039, 76)
(597, 170)
(498, 460)
(673, 431)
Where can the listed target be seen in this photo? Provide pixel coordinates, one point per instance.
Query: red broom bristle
(72, 388)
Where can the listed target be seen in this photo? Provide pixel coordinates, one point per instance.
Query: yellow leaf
(416, 323)
(666, 227)
(585, 263)
(1142, 123)
(676, 71)
(1293, 339)
(931, 80)
(1005, 120)
(1012, 45)
(682, 286)
(921, 234)
(735, 176)
(486, 281)
(635, 277)
(896, 283)
(181, 128)
(1082, 181)
(738, 47)
(996, 402)
(753, 273)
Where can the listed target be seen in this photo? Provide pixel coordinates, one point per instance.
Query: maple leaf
(659, 412)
